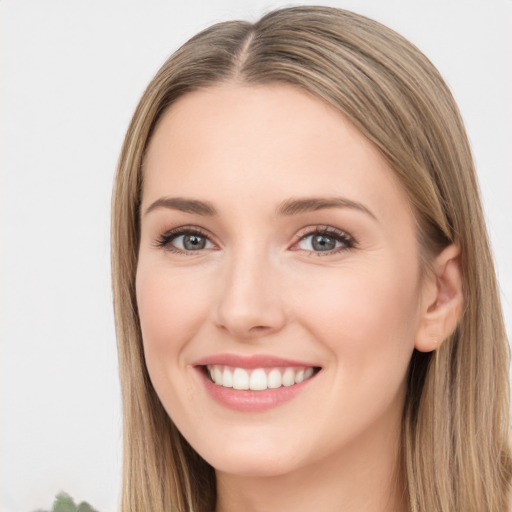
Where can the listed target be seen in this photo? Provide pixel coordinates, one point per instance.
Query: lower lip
(252, 401)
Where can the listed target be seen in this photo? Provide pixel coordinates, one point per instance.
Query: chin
(251, 461)
(253, 467)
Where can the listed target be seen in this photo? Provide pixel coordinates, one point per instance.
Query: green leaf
(85, 507)
(64, 503)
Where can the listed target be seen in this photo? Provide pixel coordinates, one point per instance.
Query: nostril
(259, 328)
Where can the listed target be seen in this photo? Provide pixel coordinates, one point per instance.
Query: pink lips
(247, 400)
(249, 362)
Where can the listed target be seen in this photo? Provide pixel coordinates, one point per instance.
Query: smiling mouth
(257, 379)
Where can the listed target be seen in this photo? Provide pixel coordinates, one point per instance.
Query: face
(278, 282)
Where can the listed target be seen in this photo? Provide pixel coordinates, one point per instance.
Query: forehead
(239, 143)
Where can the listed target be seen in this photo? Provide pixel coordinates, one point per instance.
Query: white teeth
(274, 379)
(217, 376)
(227, 378)
(288, 377)
(240, 379)
(258, 379)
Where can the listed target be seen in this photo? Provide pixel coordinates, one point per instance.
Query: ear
(442, 301)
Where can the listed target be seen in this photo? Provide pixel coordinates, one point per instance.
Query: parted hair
(454, 452)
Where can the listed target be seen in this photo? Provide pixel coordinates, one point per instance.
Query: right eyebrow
(310, 204)
(183, 205)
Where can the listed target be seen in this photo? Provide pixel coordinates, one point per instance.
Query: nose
(249, 303)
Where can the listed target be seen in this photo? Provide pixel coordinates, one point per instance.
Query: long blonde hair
(455, 454)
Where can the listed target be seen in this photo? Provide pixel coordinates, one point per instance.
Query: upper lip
(250, 362)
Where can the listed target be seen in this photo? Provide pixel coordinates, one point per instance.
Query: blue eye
(184, 240)
(191, 242)
(326, 240)
(321, 241)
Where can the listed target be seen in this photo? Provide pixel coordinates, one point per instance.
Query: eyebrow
(296, 206)
(286, 208)
(183, 205)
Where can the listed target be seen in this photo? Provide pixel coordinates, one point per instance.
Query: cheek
(366, 316)
(171, 309)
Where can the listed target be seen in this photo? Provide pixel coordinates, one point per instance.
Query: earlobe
(443, 301)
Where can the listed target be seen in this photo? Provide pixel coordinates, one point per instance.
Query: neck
(363, 477)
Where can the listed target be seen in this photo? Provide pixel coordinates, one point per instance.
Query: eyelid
(323, 229)
(348, 240)
(164, 241)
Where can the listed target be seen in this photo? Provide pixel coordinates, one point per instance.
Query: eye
(191, 242)
(183, 240)
(325, 240)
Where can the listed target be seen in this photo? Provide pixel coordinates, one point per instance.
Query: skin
(259, 287)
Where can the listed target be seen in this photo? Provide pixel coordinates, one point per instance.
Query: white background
(71, 74)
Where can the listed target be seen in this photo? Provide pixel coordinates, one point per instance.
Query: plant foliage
(64, 503)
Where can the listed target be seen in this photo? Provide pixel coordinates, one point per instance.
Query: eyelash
(348, 242)
(166, 239)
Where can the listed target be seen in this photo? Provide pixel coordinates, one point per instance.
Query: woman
(256, 374)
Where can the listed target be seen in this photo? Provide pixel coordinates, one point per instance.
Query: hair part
(455, 454)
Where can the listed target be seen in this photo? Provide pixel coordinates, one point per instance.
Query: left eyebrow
(295, 206)
(184, 205)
